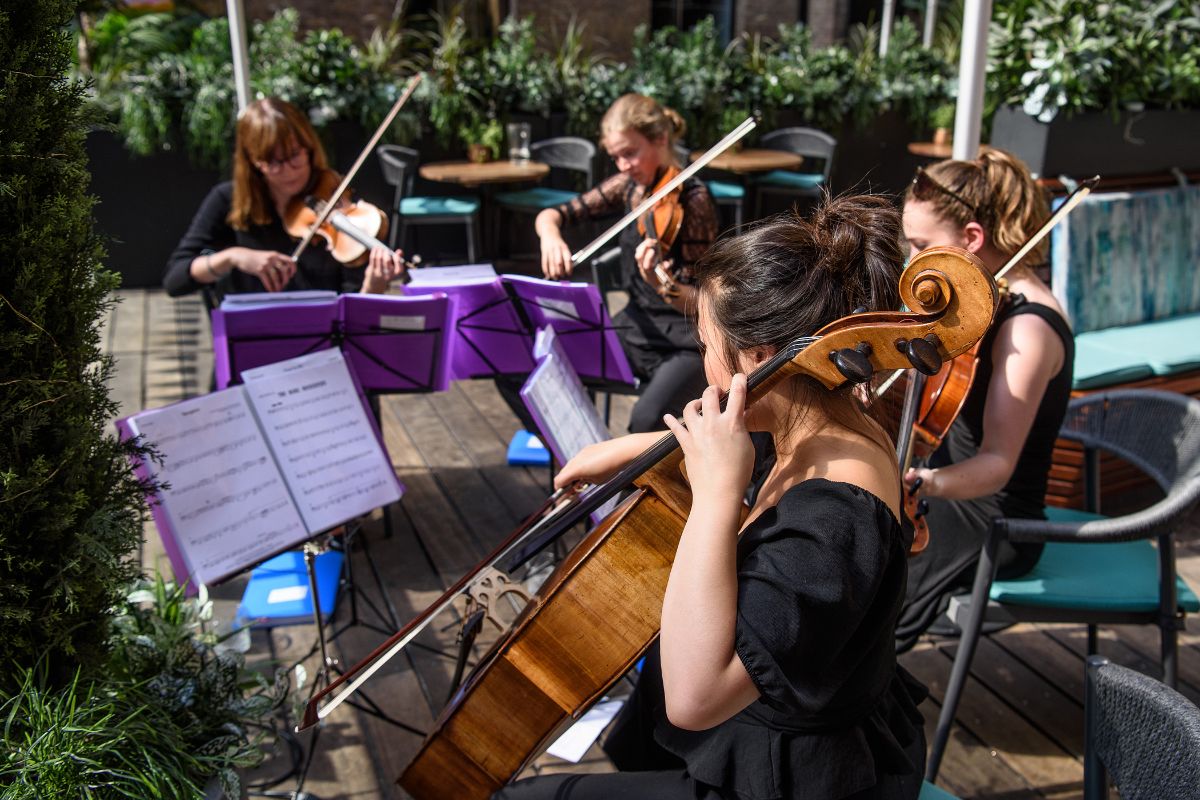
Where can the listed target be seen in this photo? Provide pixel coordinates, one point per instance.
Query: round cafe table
(486, 176)
(938, 150)
(744, 162)
(469, 173)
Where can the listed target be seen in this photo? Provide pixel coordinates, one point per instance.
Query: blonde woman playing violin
(995, 459)
(657, 328)
(238, 233)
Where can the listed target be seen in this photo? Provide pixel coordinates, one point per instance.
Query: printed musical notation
(252, 470)
(318, 429)
(218, 509)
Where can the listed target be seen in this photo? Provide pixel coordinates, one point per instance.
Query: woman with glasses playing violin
(995, 459)
(239, 232)
(657, 328)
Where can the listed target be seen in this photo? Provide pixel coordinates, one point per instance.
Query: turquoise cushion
(535, 198)
(431, 206)
(792, 180)
(1098, 365)
(1168, 346)
(931, 792)
(1109, 576)
(724, 190)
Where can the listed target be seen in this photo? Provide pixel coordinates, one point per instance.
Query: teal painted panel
(1122, 258)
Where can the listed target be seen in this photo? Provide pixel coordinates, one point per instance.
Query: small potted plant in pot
(942, 122)
(483, 138)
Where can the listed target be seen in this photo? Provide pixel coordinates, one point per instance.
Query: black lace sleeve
(602, 200)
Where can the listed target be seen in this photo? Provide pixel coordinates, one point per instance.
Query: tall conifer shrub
(70, 512)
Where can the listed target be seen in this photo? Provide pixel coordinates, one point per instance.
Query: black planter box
(1089, 144)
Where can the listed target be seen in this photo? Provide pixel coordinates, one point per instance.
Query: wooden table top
(752, 160)
(931, 149)
(469, 173)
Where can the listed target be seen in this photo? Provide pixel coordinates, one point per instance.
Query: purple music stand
(580, 319)
(490, 337)
(244, 338)
(399, 344)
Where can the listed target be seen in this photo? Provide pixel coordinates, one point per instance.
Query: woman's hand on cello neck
(716, 445)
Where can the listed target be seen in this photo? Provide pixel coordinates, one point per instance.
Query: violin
(349, 231)
(596, 615)
(937, 392)
(661, 224)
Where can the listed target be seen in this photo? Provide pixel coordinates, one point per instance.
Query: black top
(656, 323)
(1025, 493)
(820, 583)
(316, 269)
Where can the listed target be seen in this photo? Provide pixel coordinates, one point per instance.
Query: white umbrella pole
(930, 23)
(241, 58)
(885, 26)
(972, 66)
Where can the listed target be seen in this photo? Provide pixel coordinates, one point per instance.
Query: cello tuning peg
(923, 355)
(922, 507)
(853, 363)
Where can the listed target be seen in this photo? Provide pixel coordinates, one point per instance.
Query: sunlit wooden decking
(1020, 731)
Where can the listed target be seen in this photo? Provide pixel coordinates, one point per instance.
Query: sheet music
(560, 405)
(260, 299)
(226, 501)
(318, 429)
(443, 276)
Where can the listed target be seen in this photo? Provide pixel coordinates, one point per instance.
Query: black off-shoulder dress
(821, 579)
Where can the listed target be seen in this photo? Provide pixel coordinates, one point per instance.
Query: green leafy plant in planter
(483, 137)
(172, 711)
(1069, 56)
(685, 70)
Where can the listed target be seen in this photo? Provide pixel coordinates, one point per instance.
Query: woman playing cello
(775, 676)
(239, 230)
(995, 458)
(656, 328)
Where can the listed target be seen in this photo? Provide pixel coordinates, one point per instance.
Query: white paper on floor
(579, 737)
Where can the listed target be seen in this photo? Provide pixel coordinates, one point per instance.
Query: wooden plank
(970, 768)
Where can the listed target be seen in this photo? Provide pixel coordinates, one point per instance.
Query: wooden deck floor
(1020, 731)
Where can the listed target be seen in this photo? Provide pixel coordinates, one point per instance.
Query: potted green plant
(1081, 93)
(942, 122)
(483, 137)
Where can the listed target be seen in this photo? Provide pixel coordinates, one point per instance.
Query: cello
(600, 610)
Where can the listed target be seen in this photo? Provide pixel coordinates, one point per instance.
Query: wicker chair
(1096, 570)
(1143, 735)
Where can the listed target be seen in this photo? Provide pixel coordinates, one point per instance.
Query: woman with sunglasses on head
(775, 675)
(239, 232)
(995, 459)
(657, 327)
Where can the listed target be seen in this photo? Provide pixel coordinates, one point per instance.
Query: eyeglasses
(923, 187)
(277, 164)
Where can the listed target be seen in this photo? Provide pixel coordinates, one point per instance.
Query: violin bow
(1075, 198)
(332, 202)
(697, 165)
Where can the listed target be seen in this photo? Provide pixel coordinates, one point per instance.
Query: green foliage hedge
(70, 509)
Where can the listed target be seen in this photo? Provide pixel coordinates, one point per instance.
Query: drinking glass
(518, 141)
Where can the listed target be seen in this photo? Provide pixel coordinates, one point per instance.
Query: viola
(349, 231)
(600, 610)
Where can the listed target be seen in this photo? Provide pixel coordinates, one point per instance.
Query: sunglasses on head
(923, 187)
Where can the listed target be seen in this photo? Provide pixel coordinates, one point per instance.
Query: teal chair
(399, 169)
(1095, 570)
(813, 145)
(562, 152)
(931, 792)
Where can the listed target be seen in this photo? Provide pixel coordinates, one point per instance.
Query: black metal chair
(562, 152)
(726, 194)
(1143, 735)
(605, 270)
(1095, 570)
(399, 169)
(811, 143)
